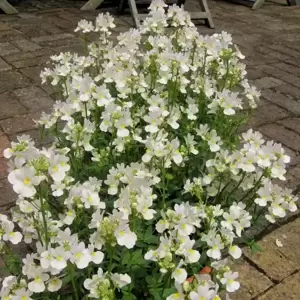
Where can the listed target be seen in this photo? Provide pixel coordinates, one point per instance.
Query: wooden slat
(91, 4)
(7, 8)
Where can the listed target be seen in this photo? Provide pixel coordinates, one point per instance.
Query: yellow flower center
(26, 181)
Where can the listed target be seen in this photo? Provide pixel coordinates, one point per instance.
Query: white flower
(22, 294)
(38, 283)
(125, 237)
(24, 180)
(80, 256)
(229, 280)
(216, 247)
(120, 280)
(54, 284)
(179, 274)
(235, 251)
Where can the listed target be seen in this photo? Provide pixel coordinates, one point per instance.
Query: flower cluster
(147, 182)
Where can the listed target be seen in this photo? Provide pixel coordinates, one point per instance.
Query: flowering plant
(147, 182)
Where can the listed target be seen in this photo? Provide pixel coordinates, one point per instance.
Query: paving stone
(26, 45)
(4, 143)
(10, 106)
(27, 55)
(4, 66)
(267, 82)
(7, 48)
(282, 75)
(26, 16)
(255, 72)
(283, 49)
(271, 260)
(282, 100)
(295, 171)
(290, 91)
(10, 35)
(4, 26)
(34, 99)
(274, 54)
(33, 73)
(48, 38)
(288, 289)
(288, 68)
(17, 124)
(3, 168)
(62, 43)
(252, 281)
(7, 194)
(31, 62)
(283, 135)
(11, 80)
(291, 123)
(267, 114)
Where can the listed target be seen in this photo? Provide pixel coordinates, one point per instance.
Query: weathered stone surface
(4, 66)
(272, 261)
(3, 167)
(27, 55)
(12, 80)
(288, 68)
(34, 98)
(288, 289)
(291, 123)
(7, 48)
(267, 82)
(10, 106)
(289, 236)
(290, 91)
(295, 171)
(17, 124)
(282, 75)
(26, 45)
(54, 37)
(4, 143)
(31, 62)
(252, 281)
(7, 194)
(282, 100)
(283, 135)
(267, 114)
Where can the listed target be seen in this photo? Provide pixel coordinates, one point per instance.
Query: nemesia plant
(148, 184)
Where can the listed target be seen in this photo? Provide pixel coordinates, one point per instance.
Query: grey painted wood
(91, 5)
(204, 14)
(7, 8)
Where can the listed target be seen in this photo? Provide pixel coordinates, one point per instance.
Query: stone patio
(270, 39)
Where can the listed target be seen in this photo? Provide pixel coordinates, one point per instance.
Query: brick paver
(270, 39)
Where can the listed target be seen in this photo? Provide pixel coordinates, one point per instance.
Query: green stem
(44, 219)
(163, 179)
(72, 274)
(236, 187)
(111, 252)
(253, 189)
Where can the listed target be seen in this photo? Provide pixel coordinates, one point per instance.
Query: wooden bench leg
(293, 2)
(257, 4)
(91, 5)
(204, 7)
(134, 13)
(7, 8)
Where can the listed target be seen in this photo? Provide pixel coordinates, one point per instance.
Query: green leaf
(255, 247)
(126, 258)
(128, 296)
(137, 257)
(168, 292)
(156, 293)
